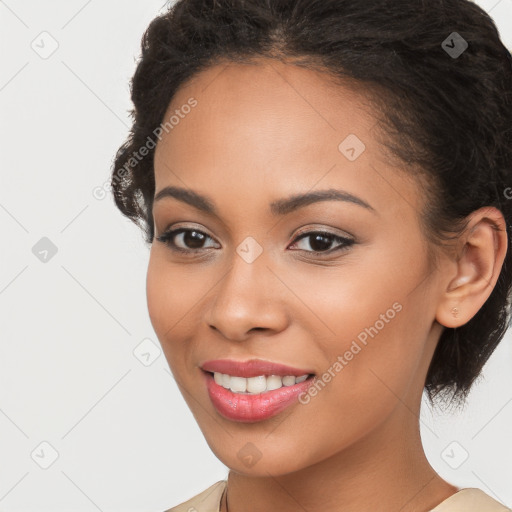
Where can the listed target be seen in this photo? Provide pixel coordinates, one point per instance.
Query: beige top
(465, 500)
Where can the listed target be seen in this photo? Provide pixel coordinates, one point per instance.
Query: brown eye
(185, 239)
(321, 242)
(192, 239)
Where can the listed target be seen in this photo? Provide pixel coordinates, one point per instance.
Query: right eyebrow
(289, 204)
(279, 207)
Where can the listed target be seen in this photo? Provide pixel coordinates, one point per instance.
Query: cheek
(169, 297)
(175, 294)
(375, 359)
(362, 382)
(157, 287)
(374, 320)
(170, 290)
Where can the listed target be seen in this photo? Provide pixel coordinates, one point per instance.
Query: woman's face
(359, 313)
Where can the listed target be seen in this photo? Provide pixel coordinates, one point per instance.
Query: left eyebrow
(289, 204)
(190, 197)
(278, 207)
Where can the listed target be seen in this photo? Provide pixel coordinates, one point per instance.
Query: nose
(249, 298)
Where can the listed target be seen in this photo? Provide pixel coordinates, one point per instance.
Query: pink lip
(252, 408)
(251, 368)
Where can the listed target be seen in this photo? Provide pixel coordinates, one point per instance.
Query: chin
(258, 455)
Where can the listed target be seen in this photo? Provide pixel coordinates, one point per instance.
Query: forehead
(268, 126)
(265, 106)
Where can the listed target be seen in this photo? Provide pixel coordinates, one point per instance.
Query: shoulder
(206, 501)
(470, 500)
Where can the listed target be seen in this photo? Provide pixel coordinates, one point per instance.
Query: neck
(386, 470)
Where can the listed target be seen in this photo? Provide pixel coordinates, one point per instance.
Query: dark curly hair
(446, 115)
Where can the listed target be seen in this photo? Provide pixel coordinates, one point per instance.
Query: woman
(324, 187)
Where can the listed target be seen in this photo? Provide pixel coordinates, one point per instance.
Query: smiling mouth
(258, 384)
(257, 398)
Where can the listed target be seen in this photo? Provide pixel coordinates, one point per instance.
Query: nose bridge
(245, 297)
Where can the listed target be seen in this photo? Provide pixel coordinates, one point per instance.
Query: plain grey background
(90, 416)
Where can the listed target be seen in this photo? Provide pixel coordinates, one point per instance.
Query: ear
(482, 250)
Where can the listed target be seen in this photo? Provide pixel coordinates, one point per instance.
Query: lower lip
(251, 408)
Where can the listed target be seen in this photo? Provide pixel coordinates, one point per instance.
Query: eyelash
(168, 239)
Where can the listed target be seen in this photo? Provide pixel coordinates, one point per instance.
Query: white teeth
(238, 384)
(289, 380)
(274, 382)
(256, 385)
(226, 380)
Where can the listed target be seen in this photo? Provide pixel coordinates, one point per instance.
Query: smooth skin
(262, 132)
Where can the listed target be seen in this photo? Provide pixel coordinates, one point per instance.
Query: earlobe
(477, 268)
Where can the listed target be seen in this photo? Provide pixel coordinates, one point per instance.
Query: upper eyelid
(181, 229)
(174, 227)
(302, 230)
(298, 236)
(306, 231)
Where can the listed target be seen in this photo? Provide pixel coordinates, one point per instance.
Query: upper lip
(251, 368)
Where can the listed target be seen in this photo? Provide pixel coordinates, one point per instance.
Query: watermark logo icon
(44, 455)
(454, 45)
(249, 454)
(249, 249)
(44, 44)
(44, 250)
(455, 455)
(351, 147)
(147, 352)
